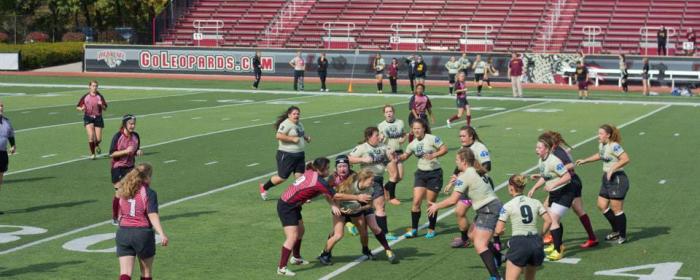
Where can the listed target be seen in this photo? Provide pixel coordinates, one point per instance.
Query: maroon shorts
(582, 85)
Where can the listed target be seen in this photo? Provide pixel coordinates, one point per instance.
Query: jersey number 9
(526, 213)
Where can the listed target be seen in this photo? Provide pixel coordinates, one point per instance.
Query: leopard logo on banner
(111, 57)
(548, 68)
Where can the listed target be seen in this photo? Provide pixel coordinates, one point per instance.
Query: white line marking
(109, 101)
(170, 161)
(225, 119)
(167, 117)
(53, 113)
(26, 112)
(48, 156)
(540, 129)
(255, 120)
(196, 118)
(359, 94)
(199, 100)
(211, 162)
(451, 210)
(662, 182)
(565, 260)
(44, 240)
(253, 164)
(347, 123)
(642, 133)
(317, 121)
(203, 135)
(160, 113)
(509, 128)
(676, 134)
(572, 131)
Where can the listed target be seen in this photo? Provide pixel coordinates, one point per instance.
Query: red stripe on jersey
(306, 187)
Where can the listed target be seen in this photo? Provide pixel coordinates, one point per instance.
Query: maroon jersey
(393, 70)
(421, 103)
(121, 142)
(306, 187)
(516, 67)
(461, 86)
(94, 104)
(134, 211)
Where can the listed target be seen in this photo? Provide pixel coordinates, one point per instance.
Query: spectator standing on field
(515, 72)
(299, 66)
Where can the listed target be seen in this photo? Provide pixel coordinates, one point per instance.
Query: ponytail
(319, 164)
(518, 182)
(614, 133)
(467, 155)
(284, 116)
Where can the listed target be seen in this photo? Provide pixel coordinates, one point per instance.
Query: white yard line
(695, 104)
(451, 210)
(44, 240)
(164, 113)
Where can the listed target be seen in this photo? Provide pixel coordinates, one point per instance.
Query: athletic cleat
(325, 259)
(449, 125)
(589, 243)
(390, 237)
(431, 234)
(368, 254)
(298, 261)
(285, 272)
(391, 257)
(555, 256)
(327, 90)
(612, 236)
(490, 87)
(263, 192)
(352, 229)
(459, 243)
(547, 239)
(411, 233)
(93, 157)
(548, 249)
(115, 222)
(621, 240)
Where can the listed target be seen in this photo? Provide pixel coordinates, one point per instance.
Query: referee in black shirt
(256, 69)
(661, 36)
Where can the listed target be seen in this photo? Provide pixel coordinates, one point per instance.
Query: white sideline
(168, 112)
(194, 136)
(695, 104)
(451, 210)
(40, 241)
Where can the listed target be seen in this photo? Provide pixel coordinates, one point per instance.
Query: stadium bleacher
(517, 25)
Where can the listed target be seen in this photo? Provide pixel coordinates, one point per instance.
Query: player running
(526, 248)
(376, 156)
(420, 108)
(139, 212)
(292, 140)
(125, 147)
(428, 177)
(461, 101)
(92, 104)
(615, 184)
(393, 134)
(306, 187)
(471, 181)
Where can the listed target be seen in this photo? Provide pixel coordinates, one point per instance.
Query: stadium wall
(541, 68)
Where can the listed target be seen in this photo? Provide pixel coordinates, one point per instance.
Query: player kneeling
(526, 247)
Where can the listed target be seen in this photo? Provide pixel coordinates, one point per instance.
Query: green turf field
(211, 141)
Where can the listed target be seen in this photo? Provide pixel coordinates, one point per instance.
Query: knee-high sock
(478, 89)
(432, 220)
(451, 89)
(92, 147)
(124, 277)
(557, 236)
(454, 118)
(391, 188)
(621, 222)
(115, 208)
(415, 218)
(296, 251)
(490, 263)
(284, 257)
(268, 185)
(586, 222)
(611, 219)
(383, 223)
(382, 240)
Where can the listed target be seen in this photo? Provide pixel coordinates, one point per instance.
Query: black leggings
(298, 79)
(258, 75)
(322, 75)
(392, 81)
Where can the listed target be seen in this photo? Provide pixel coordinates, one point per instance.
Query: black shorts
(4, 161)
(378, 187)
(119, 172)
(576, 185)
(564, 196)
(645, 76)
(525, 250)
(582, 85)
(290, 215)
(487, 216)
(462, 102)
(451, 78)
(364, 213)
(420, 76)
(136, 241)
(380, 72)
(96, 121)
(616, 188)
(478, 77)
(431, 180)
(288, 163)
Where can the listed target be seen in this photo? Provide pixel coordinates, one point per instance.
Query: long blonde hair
(467, 155)
(346, 186)
(132, 182)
